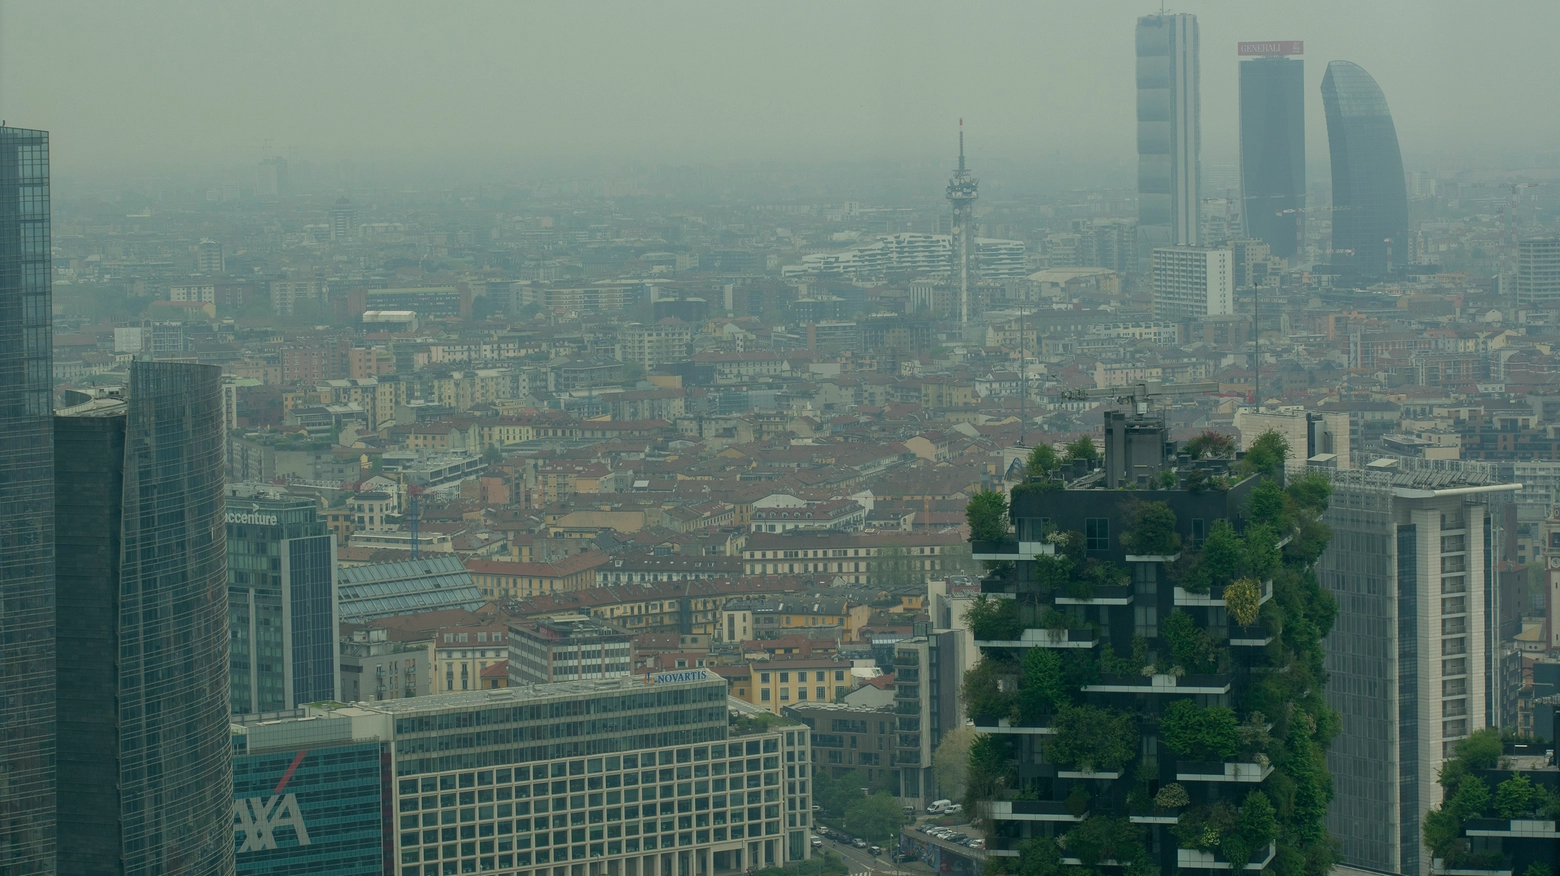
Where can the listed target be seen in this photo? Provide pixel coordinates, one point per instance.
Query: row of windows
(801, 676)
(461, 857)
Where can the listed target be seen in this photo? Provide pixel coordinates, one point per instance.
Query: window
(839, 675)
(763, 695)
(1096, 533)
(1199, 531)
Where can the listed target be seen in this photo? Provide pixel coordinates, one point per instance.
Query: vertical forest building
(1149, 691)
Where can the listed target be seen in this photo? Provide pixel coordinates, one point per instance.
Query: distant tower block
(962, 194)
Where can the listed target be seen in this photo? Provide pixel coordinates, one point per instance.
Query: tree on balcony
(987, 515)
(1265, 456)
(1198, 732)
(1152, 529)
(993, 620)
(1090, 739)
(1210, 445)
(1191, 647)
(1082, 447)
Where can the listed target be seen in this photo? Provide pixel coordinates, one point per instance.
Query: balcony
(1215, 597)
(907, 758)
(1120, 595)
(1005, 725)
(1153, 558)
(1153, 816)
(1032, 638)
(1166, 684)
(1522, 828)
(1009, 550)
(1254, 636)
(1033, 810)
(906, 659)
(1102, 775)
(1202, 771)
(1196, 859)
(1438, 867)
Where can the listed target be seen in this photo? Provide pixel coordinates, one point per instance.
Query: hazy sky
(163, 83)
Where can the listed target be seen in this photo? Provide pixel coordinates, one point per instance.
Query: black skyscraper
(1272, 149)
(27, 833)
(145, 759)
(1369, 195)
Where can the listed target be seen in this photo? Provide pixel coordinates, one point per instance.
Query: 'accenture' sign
(253, 519)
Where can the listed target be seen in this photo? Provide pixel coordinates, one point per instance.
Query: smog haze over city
(783, 439)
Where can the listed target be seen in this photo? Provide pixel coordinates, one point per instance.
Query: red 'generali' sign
(1275, 47)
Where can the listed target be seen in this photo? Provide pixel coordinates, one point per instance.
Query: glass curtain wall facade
(1369, 194)
(1169, 133)
(282, 616)
(142, 580)
(1272, 151)
(27, 749)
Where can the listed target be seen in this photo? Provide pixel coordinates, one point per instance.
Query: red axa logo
(256, 820)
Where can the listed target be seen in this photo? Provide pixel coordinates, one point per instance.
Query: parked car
(817, 842)
(953, 809)
(977, 843)
(874, 851)
(859, 843)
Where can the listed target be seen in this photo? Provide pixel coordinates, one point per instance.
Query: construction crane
(1140, 395)
(1328, 209)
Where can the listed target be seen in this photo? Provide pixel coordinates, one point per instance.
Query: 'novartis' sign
(252, 519)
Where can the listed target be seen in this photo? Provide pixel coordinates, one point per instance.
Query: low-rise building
(568, 649)
(462, 654)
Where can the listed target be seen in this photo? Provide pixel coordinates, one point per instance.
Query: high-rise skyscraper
(1272, 143)
(282, 610)
(1538, 272)
(963, 189)
(1169, 133)
(145, 759)
(1369, 195)
(26, 509)
(1408, 659)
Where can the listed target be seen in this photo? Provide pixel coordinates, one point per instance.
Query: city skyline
(148, 107)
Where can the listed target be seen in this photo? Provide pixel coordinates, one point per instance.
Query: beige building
(459, 656)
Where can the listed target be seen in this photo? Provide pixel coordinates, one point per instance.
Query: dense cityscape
(784, 519)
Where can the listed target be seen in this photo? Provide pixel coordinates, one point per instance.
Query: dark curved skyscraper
(1370, 199)
(145, 757)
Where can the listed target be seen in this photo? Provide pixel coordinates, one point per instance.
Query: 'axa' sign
(257, 820)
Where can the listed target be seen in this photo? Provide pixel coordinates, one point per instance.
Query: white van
(938, 806)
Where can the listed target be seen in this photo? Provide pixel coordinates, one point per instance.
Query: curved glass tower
(1369, 196)
(145, 764)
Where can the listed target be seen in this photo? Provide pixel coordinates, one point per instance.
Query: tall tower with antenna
(962, 194)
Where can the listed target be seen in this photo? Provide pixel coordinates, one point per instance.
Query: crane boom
(1140, 394)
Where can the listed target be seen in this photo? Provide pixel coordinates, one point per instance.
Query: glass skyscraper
(1272, 150)
(282, 615)
(1369, 194)
(26, 508)
(1169, 133)
(145, 768)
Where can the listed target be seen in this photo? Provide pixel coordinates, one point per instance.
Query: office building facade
(1272, 144)
(1369, 194)
(1192, 281)
(145, 761)
(1408, 656)
(1538, 272)
(311, 797)
(282, 616)
(1169, 133)
(608, 777)
(26, 507)
(553, 650)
